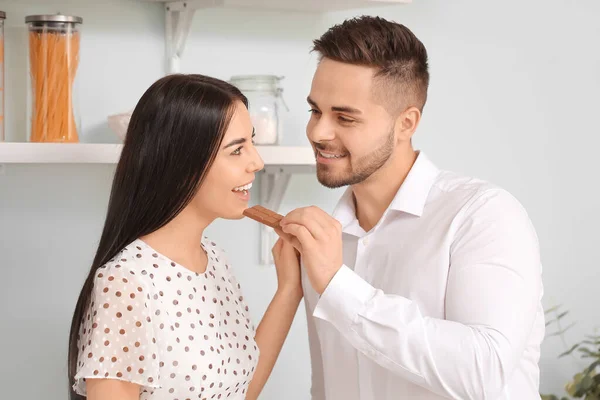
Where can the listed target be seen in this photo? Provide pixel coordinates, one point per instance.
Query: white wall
(513, 99)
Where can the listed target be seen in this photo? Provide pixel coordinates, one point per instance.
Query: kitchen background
(513, 99)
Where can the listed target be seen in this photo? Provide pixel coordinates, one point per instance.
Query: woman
(160, 315)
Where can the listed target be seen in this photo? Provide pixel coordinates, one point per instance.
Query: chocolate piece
(263, 215)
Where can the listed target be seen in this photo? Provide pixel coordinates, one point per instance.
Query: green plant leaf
(549, 397)
(551, 309)
(562, 314)
(587, 351)
(566, 353)
(562, 331)
(573, 386)
(587, 382)
(590, 342)
(592, 367)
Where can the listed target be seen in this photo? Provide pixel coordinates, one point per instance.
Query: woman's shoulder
(118, 326)
(128, 267)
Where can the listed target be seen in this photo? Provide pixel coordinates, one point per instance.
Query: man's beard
(361, 170)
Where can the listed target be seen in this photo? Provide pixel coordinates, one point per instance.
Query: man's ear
(407, 123)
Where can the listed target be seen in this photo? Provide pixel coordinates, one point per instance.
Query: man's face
(352, 133)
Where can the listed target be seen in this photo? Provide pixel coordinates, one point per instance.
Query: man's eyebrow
(344, 109)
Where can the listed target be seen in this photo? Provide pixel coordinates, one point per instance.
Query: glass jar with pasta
(2, 18)
(53, 62)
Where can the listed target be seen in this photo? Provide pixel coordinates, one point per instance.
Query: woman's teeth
(243, 188)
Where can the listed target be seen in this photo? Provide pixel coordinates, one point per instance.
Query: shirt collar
(345, 211)
(412, 195)
(410, 198)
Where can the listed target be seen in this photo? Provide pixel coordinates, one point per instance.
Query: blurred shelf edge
(99, 153)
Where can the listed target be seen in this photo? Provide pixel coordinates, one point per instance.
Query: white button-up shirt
(441, 299)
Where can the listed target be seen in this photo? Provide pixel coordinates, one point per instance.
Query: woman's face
(225, 191)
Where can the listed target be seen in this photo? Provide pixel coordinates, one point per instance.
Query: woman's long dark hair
(171, 142)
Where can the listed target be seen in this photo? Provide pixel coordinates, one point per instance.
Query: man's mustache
(328, 149)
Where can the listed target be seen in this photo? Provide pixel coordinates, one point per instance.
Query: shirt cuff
(343, 298)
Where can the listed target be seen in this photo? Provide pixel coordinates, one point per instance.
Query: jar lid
(256, 82)
(54, 18)
(257, 78)
(2, 15)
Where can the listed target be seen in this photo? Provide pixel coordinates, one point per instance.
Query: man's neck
(373, 196)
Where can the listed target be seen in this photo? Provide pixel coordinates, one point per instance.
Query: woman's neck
(180, 240)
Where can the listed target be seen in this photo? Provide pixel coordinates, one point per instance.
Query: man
(424, 284)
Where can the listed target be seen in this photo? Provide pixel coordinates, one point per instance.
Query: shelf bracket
(179, 16)
(273, 185)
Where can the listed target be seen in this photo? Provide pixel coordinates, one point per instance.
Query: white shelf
(59, 153)
(284, 5)
(92, 153)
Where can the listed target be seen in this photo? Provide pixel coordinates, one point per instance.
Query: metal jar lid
(2, 15)
(257, 82)
(60, 18)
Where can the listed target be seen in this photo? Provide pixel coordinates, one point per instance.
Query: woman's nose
(256, 163)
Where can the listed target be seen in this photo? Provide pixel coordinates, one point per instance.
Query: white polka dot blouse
(178, 334)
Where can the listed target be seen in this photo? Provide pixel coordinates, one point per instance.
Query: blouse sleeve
(116, 338)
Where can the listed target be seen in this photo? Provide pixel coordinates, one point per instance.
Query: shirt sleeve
(493, 296)
(317, 387)
(116, 339)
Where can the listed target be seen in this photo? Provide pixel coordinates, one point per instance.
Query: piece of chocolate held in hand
(263, 215)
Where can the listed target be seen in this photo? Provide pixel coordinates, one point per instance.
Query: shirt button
(365, 241)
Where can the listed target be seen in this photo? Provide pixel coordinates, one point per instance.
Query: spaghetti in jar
(53, 61)
(2, 18)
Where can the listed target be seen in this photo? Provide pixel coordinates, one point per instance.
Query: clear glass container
(265, 99)
(53, 61)
(2, 18)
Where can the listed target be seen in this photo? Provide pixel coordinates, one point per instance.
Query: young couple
(423, 284)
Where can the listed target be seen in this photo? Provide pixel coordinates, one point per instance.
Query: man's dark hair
(400, 59)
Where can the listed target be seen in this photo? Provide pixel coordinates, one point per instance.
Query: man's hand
(318, 237)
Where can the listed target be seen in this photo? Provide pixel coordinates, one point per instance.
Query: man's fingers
(302, 237)
(285, 236)
(288, 238)
(316, 222)
(325, 218)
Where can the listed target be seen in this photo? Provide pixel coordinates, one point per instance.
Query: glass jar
(53, 62)
(264, 99)
(2, 18)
